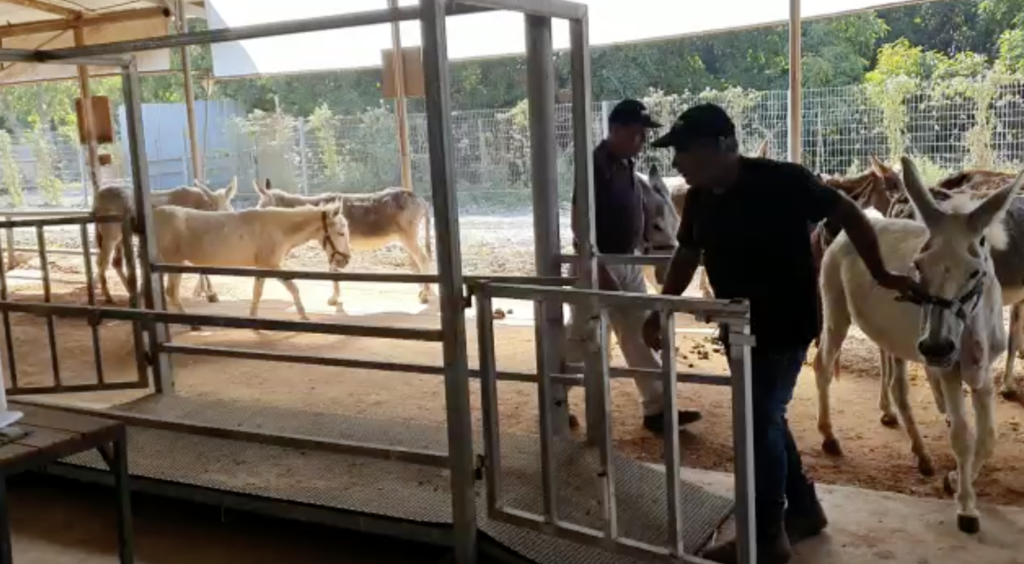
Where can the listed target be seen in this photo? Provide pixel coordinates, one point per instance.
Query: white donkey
(953, 327)
(251, 238)
(375, 219)
(118, 201)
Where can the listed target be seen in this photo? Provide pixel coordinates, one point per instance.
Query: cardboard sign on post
(102, 121)
(412, 66)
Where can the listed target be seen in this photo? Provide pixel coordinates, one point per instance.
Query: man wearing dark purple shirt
(619, 227)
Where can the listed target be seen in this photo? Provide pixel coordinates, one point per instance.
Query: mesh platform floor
(404, 491)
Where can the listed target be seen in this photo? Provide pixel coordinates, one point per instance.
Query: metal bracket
(742, 339)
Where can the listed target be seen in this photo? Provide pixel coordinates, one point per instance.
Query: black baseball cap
(632, 112)
(703, 122)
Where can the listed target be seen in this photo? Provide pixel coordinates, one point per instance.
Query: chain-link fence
(946, 127)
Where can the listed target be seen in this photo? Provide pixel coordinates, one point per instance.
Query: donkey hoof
(574, 422)
(1008, 394)
(890, 420)
(195, 328)
(969, 524)
(925, 467)
(333, 302)
(424, 298)
(947, 483)
(212, 298)
(831, 447)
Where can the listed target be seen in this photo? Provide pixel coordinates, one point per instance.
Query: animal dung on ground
(499, 313)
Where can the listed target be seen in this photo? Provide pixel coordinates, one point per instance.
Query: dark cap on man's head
(632, 112)
(703, 122)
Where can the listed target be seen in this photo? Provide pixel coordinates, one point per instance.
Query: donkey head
(335, 241)
(954, 266)
(268, 196)
(219, 200)
(660, 218)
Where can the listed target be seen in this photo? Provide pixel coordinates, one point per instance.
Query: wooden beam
(402, 121)
(45, 7)
(198, 166)
(18, 30)
(93, 149)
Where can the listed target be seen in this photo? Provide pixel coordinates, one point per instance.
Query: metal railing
(733, 315)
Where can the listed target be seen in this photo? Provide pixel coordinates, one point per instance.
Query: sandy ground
(876, 457)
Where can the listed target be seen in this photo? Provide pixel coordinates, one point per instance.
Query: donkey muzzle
(938, 352)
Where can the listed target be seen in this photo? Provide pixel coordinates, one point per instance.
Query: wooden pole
(401, 119)
(32, 28)
(88, 125)
(796, 122)
(198, 166)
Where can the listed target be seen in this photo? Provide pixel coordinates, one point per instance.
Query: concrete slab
(872, 527)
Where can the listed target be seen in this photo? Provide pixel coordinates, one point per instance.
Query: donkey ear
(993, 207)
(653, 172)
(924, 204)
(879, 168)
(203, 187)
(762, 149)
(232, 188)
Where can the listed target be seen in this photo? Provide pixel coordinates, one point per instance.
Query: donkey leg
(985, 423)
(1009, 388)
(103, 259)
(257, 295)
(900, 390)
(293, 289)
(335, 298)
(887, 363)
(119, 267)
(419, 262)
(211, 294)
(824, 364)
(962, 441)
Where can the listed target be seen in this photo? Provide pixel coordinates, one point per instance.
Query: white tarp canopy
(481, 35)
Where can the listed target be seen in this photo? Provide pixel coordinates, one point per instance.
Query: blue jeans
(778, 472)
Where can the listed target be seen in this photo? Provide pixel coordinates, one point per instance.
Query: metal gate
(44, 308)
(733, 316)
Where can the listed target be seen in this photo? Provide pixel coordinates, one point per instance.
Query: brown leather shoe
(777, 551)
(805, 522)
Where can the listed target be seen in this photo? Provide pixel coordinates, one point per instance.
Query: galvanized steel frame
(733, 315)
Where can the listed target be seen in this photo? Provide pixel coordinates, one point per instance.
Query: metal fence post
(303, 162)
(152, 282)
(449, 270)
(740, 342)
(586, 267)
(540, 88)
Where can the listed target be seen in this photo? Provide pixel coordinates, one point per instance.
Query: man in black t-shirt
(749, 220)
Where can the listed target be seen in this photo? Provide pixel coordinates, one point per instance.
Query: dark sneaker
(806, 521)
(774, 552)
(656, 423)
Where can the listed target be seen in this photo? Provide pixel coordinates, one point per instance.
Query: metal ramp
(408, 496)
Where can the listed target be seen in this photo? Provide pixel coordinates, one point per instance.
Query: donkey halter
(327, 243)
(961, 306)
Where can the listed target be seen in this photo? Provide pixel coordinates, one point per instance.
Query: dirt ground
(875, 457)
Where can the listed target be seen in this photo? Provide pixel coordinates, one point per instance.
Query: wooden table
(52, 435)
